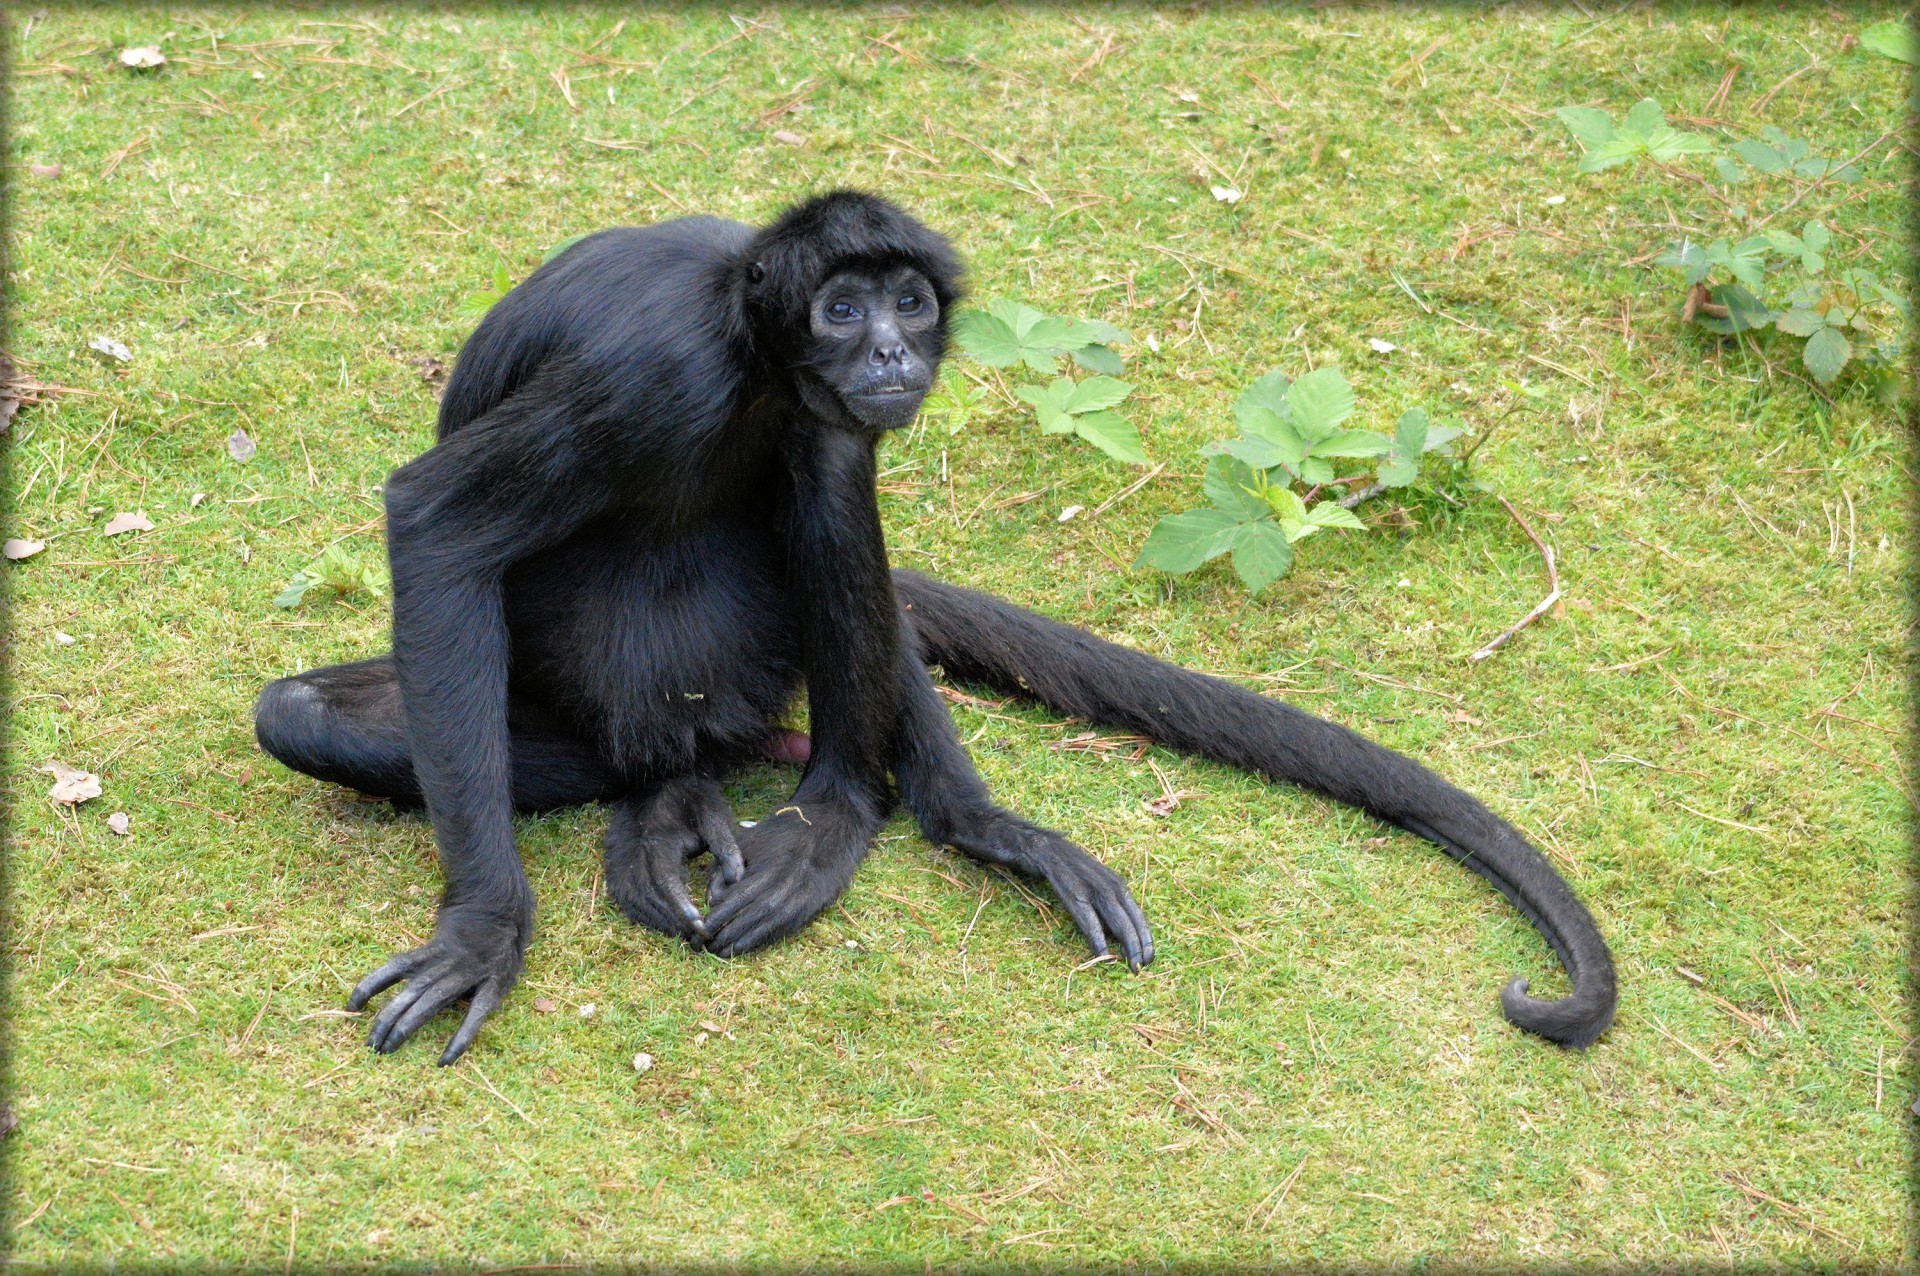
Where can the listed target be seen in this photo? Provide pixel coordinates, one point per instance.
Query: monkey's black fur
(649, 519)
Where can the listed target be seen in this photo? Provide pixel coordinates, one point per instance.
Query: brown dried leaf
(787, 137)
(44, 170)
(123, 522)
(71, 786)
(545, 1005)
(143, 57)
(119, 823)
(19, 549)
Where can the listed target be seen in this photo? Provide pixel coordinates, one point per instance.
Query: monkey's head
(849, 295)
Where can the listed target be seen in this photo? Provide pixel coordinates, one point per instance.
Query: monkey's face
(876, 343)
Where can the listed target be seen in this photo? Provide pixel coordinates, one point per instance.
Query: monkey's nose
(881, 356)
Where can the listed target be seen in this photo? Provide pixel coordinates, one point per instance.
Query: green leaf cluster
(1644, 132)
(1291, 432)
(1727, 278)
(335, 573)
(1085, 408)
(1006, 333)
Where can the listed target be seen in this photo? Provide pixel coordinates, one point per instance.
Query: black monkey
(649, 518)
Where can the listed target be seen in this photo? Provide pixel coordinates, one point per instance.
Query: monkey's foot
(650, 843)
(788, 746)
(477, 955)
(798, 861)
(1094, 895)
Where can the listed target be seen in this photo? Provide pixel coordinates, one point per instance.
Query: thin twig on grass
(1544, 606)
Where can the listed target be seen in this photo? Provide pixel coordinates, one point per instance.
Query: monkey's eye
(842, 312)
(910, 304)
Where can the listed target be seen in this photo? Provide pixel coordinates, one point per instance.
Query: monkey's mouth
(886, 407)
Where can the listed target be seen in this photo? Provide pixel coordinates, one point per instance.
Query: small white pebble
(65, 640)
(852, 944)
(193, 502)
(586, 1011)
(1404, 583)
(1556, 199)
(1227, 194)
(120, 824)
(1381, 347)
(642, 1062)
(1070, 511)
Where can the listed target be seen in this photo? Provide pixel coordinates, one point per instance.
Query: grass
(1315, 1070)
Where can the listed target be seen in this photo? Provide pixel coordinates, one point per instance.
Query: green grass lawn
(285, 217)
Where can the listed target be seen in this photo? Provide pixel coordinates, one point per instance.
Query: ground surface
(287, 215)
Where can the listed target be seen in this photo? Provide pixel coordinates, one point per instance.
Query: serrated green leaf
(1264, 423)
(1816, 237)
(296, 591)
(1094, 332)
(1287, 505)
(1101, 359)
(1353, 443)
(1612, 155)
(1410, 432)
(1329, 514)
(1801, 322)
(1257, 453)
(1667, 144)
(1744, 311)
(1230, 484)
(1728, 170)
(1095, 393)
(1592, 127)
(1645, 117)
(1892, 39)
(1315, 470)
(1261, 554)
(1112, 434)
(1181, 542)
(985, 336)
(1760, 156)
(1690, 258)
(1269, 392)
(1398, 470)
(1318, 402)
(1786, 241)
(1019, 317)
(1827, 352)
(1440, 438)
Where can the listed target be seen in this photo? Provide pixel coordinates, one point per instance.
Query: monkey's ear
(755, 272)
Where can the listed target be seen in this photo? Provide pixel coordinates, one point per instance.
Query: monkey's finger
(381, 980)
(677, 894)
(1081, 910)
(1140, 924)
(716, 831)
(486, 1000)
(382, 1037)
(439, 994)
(1119, 922)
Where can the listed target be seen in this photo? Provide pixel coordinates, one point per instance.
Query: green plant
(954, 401)
(476, 304)
(1009, 333)
(336, 573)
(1844, 316)
(1277, 484)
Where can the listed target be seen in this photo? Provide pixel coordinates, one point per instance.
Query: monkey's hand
(798, 861)
(651, 841)
(474, 953)
(1094, 895)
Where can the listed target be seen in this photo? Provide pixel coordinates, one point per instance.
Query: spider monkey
(649, 519)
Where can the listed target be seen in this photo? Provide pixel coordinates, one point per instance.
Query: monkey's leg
(939, 785)
(652, 839)
(345, 724)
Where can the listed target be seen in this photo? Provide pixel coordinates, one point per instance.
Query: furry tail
(980, 638)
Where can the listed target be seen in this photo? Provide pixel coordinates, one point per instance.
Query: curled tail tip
(1575, 1021)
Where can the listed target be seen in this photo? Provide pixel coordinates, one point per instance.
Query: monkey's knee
(297, 723)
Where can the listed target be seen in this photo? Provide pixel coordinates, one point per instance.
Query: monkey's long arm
(978, 637)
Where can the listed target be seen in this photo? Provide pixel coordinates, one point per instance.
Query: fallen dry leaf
(642, 1062)
(787, 137)
(545, 1005)
(119, 823)
(143, 57)
(111, 348)
(240, 447)
(70, 786)
(136, 521)
(44, 170)
(18, 549)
